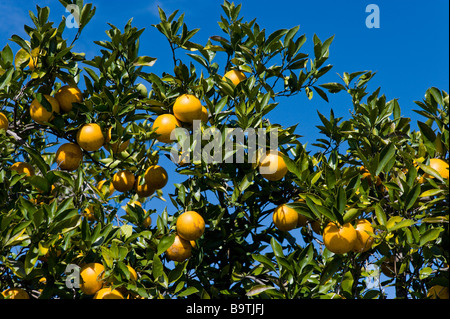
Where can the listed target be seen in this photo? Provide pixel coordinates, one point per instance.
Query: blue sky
(409, 52)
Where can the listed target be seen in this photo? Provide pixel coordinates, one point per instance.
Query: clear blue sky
(409, 52)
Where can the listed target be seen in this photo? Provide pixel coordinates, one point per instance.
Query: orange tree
(374, 194)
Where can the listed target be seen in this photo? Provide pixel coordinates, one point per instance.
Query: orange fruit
(67, 95)
(339, 239)
(90, 137)
(187, 108)
(132, 204)
(272, 166)
(204, 116)
(4, 123)
(146, 222)
(116, 147)
(110, 189)
(285, 218)
(40, 114)
(363, 240)
(438, 292)
(164, 125)
(180, 250)
(22, 56)
(366, 174)
(108, 293)
(133, 274)
(69, 156)
(235, 76)
(156, 177)
(123, 181)
(440, 166)
(190, 225)
(143, 190)
(15, 293)
(316, 227)
(89, 214)
(23, 168)
(91, 277)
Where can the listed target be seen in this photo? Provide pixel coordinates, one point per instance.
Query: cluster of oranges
(190, 226)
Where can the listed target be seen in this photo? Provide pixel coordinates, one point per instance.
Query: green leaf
(387, 153)
(158, 268)
(165, 243)
(412, 196)
(430, 235)
(144, 61)
(265, 261)
(256, 290)
(277, 249)
(188, 291)
(379, 213)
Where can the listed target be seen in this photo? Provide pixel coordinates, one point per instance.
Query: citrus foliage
(60, 216)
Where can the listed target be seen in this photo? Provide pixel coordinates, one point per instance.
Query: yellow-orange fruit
(187, 108)
(67, 95)
(285, 218)
(91, 277)
(123, 181)
(339, 239)
(40, 114)
(90, 137)
(272, 166)
(164, 125)
(69, 156)
(180, 250)
(363, 240)
(235, 76)
(190, 225)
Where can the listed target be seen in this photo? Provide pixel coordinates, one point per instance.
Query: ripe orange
(235, 76)
(89, 214)
(4, 123)
(90, 137)
(40, 114)
(123, 181)
(440, 166)
(285, 218)
(15, 293)
(164, 124)
(116, 147)
(110, 189)
(272, 166)
(204, 116)
(91, 277)
(69, 156)
(132, 204)
(190, 225)
(339, 239)
(180, 250)
(22, 56)
(156, 177)
(187, 108)
(316, 226)
(67, 95)
(143, 190)
(133, 274)
(363, 240)
(438, 292)
(23, 168)
(146, 222)
(108, 293)
(366, 174)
